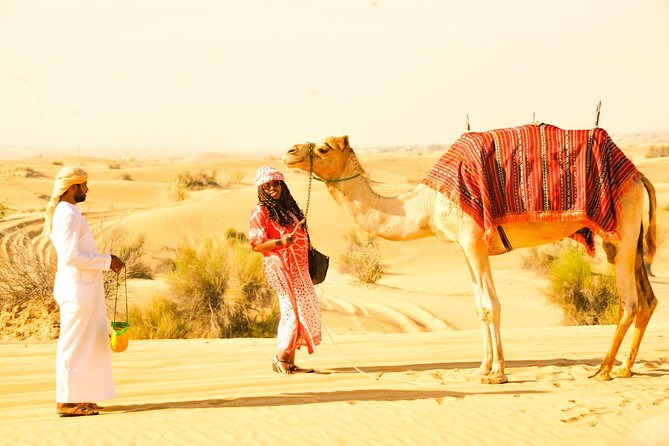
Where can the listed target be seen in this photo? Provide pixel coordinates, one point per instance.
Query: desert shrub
(234, 235)
(26, 275)
(7, 176)
(29, 172)
(258, 311)
(539, 260)
(177, 190)
(236, 176)
(199, 180)
(585, 297)
(657, 151)
(159, 319)
(131, 250)
(184, 182)
(114, 166)
(362, 258)
(57, 163)
(221, 291)
(126, 177)
(4, 209)
(27, 272)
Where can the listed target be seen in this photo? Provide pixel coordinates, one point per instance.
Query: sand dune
(412, 388)
(413, 337)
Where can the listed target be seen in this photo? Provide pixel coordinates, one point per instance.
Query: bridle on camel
(312, 146)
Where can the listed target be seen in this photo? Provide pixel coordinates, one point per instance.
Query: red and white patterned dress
(287, 271)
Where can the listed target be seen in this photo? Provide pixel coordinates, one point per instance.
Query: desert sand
(396, 363)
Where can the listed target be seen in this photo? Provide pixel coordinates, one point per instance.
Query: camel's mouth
(290, 161)
(298, 154)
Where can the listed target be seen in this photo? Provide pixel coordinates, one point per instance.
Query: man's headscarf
(68, 176)
(266, 174)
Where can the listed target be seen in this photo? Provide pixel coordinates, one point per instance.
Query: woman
(276, 231)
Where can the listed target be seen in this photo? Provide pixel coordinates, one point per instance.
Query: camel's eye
(324, 149)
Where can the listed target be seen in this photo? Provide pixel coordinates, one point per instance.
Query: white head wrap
(266, 174)
(68, 176)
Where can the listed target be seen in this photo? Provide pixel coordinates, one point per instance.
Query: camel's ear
(342, 142)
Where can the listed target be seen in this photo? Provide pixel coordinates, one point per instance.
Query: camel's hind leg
(637, 301)
(646, 304)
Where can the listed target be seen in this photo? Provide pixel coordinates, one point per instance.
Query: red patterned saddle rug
(537, 173)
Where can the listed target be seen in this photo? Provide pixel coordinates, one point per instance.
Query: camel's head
(329, 157)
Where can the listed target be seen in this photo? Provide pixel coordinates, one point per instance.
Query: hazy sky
(238, 76)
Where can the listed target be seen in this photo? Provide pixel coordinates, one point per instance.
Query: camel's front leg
(489, 311)
(486, 362)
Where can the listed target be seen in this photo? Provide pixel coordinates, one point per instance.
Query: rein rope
(356, 368)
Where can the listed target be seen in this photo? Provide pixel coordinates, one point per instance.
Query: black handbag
(318, 265)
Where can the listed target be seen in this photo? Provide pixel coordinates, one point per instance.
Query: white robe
(83, 359)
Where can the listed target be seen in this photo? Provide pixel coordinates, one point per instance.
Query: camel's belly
(523, 235)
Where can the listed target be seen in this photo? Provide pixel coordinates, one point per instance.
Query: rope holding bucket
(120, 336)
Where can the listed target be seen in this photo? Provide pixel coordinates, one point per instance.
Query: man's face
(80, 191)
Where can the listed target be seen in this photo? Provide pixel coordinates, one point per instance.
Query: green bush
(585, 297)
(159, 319)
(221, 291)
(362, 258)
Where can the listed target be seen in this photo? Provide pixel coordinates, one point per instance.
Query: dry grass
(362, 258)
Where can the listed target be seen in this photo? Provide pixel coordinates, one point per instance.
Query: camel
(424, 211)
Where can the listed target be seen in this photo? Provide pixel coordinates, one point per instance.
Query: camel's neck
(403, 217)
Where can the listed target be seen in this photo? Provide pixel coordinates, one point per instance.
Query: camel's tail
(651, 242)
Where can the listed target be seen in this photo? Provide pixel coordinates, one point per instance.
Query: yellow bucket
(120, 336)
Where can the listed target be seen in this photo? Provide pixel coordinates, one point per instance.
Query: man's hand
(116, 264)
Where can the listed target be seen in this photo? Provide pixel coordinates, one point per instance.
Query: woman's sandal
(76, 410)
(294, 368)
(281, 367)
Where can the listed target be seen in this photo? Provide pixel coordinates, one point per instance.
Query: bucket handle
(125, 283)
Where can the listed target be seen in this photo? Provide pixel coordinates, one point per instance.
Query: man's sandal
(93, 406)
(75, 410)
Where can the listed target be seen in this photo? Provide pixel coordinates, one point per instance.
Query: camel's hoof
(621, 372)
(602, 375)
(482, 371)
(495, 378)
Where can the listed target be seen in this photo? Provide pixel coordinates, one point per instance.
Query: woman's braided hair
(284, 209)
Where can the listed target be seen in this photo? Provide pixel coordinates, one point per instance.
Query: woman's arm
(272, 244)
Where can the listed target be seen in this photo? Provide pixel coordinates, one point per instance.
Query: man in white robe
(83, 359)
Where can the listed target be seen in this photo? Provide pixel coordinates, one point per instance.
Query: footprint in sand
(587, 414)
